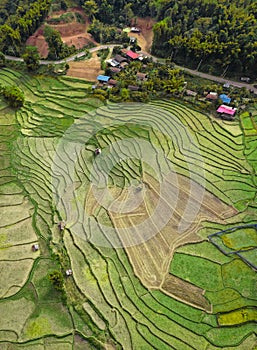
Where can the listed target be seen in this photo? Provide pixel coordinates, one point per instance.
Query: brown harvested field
(88, 69)
(151, 258)
(145, 37)
(185, 291)
(72, 33)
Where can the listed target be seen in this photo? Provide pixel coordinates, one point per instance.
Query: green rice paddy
(106, 306)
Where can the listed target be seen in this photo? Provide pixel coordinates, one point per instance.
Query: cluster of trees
(219, 36)
(57, 48)
(31, 58)
(104, 33)
(20, 20)
(13, 95)
(115, 12)
(56, 278)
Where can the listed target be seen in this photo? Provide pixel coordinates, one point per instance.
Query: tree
(54, 41)
(10, 39)
(128, 13)
(31, 58)
(57, 279)
(91, 8)
(13, 95)
(124, 94)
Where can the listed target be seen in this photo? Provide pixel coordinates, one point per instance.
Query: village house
(211, 96)
(132, 55)
(142, 76)
(132, 39)
(191, 93)
(112, 82)
(114, 70)
(98, 151)
(120, 59)
(226, 86)
(112, 62)
(61, 225)
(141, 57)
(135, 30)
(226, 112)
(225, 99)
(123, 65)
(103, 79)
(133, 88)
(245, 79)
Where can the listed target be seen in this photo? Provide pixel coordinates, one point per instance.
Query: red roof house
(211, 96)
(132, 55)
(226, 112)
(226, 109)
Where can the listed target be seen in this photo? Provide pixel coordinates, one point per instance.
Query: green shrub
(56, 278)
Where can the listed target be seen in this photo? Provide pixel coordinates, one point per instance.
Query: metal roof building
(225, 99)
(103, 78)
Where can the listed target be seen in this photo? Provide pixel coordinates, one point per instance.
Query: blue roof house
(103, 78)
(225, 99)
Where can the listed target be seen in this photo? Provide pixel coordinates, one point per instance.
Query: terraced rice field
(138, 217)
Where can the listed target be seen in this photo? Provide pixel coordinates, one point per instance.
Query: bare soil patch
(88, 69)
(151, 258)
(185, 291)
(145, 37)
(72, 33)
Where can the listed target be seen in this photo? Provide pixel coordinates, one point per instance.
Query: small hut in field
(35, 247)
(98, 151)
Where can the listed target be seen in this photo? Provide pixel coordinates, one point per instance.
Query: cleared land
(145, 37)
(88, 69)
(72, 33)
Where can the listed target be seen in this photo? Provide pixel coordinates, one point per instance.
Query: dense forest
(218, 35)
(19, 19)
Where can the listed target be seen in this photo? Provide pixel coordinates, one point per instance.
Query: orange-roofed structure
(132, 55)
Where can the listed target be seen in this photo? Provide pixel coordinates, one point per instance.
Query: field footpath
(215, 78)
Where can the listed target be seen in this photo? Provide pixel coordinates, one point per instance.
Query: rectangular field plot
(237, 317)
(186, 291)
(240, 239)
(197, 271)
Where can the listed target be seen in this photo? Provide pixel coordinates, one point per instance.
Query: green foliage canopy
(21, 18)
(31, 58)
(57, 279)
(13, 95)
